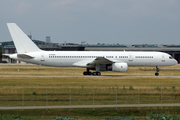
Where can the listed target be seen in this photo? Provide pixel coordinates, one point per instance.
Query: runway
(87, 76)
(88, 106)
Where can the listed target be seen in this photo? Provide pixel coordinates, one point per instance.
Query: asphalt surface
(87, 106)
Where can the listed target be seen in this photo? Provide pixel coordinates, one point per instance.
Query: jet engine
(117, 67)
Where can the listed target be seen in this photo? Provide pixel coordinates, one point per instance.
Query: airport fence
(113, 96)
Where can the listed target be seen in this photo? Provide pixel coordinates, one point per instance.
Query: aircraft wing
(100, 60)
(90, 63)
(82, 63)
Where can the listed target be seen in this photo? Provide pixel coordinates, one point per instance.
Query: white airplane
(117, 61)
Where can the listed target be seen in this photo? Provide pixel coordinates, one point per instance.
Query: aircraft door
(130, 57)
(42, 57)
(163, 58)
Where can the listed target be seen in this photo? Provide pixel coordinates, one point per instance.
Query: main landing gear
(157, 71)
(91, 73)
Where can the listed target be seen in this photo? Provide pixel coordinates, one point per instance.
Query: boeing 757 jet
(97, 61)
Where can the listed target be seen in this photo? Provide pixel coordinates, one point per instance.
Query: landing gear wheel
(98, 73)
(157, 70)
(156, 74)
(94, 73)
(85, 73)
(89, 73)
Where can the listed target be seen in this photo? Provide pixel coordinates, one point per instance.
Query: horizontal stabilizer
(24, 56)
(6, 54)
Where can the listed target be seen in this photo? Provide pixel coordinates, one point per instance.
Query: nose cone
(175, 61)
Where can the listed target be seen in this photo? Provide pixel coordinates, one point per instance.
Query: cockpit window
(170, 57)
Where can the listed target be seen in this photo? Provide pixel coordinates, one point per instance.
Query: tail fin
(22, 42)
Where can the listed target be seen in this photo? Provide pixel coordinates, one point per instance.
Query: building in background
(48, 39)
(84, 43)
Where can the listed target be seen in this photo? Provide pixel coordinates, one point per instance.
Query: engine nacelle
(118, 67)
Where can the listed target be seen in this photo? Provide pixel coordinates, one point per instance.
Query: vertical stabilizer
(22, 42)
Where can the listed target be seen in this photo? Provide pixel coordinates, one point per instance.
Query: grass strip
(99, 113)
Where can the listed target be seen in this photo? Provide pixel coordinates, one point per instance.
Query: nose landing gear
(157, 71)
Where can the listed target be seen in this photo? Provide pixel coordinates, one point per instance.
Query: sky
(94, 21)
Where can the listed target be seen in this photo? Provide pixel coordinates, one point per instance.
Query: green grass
(14, 117)
(90, 114)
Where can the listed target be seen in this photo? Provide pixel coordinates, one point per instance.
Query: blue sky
(94, 21)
